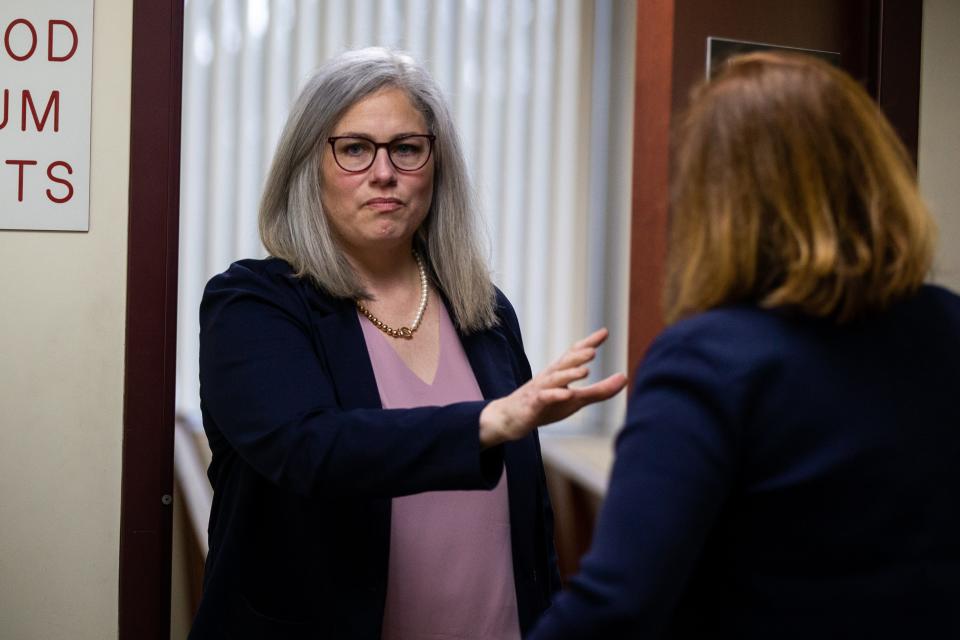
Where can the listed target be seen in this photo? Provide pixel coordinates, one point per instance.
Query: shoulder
(731, 349)
(507, 325)
(931, 317)
(940, 292)
(506, 332)
(933, 296)
(506, 314)
(255, 293)
(269, 280)
(505, 322)
(734, 332)
(252, 275)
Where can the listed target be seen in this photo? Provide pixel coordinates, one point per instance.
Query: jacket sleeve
(675, 461)
(267, 393)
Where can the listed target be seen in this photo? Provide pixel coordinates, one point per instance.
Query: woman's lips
(384, 205)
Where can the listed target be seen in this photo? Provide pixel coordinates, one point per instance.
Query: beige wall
(61, 378)
(939, 161)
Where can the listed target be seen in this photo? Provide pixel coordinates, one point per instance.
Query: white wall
(939, 153)
(61, 383)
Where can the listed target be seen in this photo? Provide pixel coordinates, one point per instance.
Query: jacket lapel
(340, 338)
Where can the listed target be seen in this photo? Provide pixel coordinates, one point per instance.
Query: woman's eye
(355, 149)
(407, 149)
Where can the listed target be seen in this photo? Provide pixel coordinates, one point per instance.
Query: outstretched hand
(546, 397)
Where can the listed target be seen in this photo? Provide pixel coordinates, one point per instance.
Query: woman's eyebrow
(358, 134)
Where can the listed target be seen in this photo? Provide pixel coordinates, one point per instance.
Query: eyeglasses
(356, 154)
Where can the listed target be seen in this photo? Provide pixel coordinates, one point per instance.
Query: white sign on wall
(46, 72)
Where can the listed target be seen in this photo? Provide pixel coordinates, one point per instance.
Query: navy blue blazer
(305, 461)
(783, 477)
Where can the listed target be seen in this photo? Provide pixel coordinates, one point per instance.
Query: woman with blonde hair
(362, 385)
(790, 464)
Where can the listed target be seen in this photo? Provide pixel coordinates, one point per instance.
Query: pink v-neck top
(451, 568)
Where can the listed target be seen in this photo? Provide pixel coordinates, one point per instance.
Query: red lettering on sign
(39, 123)
(21, 164)
(63, 181)
(33, 37)
(73, 48)
(6, 107)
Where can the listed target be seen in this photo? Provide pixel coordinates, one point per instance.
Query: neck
(389, 295)
(384, 268)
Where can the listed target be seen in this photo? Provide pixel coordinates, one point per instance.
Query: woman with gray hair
(360, 385)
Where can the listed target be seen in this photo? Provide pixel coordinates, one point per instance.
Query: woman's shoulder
(932, 314)
(726, 346)
(268, 274)
(269, 280)
(747, 336)
(733, 325)
(505, 311)
(940, 296)
(252, 272)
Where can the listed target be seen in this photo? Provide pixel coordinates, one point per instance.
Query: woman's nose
(382, 169)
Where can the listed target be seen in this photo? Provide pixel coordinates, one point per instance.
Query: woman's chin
(384, 241)
(392, 233)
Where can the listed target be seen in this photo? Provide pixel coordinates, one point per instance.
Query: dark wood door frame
(653, 95)
(899, 25)
(150, 349)
(890, 64)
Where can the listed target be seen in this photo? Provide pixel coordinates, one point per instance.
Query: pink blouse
(451, 568)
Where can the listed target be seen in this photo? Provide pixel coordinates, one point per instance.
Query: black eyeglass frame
(332, 141)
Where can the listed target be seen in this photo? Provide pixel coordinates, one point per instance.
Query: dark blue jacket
(305, 461)
(783, 478)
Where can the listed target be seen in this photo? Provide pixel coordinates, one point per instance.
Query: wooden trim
(150, 357)
(651, 173)
(899, 45)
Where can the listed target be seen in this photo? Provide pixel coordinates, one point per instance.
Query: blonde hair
(293, 225)
(791, 190)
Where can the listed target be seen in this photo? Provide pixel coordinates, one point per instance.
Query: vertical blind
(541, 91)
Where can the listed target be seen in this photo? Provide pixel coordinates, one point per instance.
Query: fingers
(555, 395)
(549, 398)
(570, 366)
(565, 376)
(593, 340)
(602, 390)
(557, 403)
(573, 358)
(596, 392)
(581, 352)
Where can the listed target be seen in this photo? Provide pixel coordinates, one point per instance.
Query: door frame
(149, 392)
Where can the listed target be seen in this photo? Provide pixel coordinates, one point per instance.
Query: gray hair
(294, 226)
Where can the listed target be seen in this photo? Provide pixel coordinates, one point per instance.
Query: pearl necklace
(403, 332)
